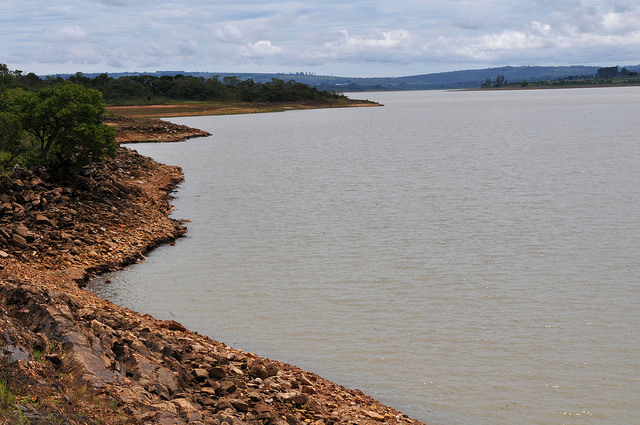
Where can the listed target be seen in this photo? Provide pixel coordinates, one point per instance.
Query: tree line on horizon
(149, 89)
(604, 75)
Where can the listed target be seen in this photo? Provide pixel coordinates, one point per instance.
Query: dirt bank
(70, 357)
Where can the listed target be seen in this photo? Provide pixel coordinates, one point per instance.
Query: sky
(352, 38)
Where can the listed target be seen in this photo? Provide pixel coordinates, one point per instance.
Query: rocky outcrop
(102, 219)
(71, 357)
(140, 130)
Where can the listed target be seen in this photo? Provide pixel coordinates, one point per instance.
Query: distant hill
(444, 80)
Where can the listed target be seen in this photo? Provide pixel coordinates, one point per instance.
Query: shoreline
(192, 109)
(69, 355)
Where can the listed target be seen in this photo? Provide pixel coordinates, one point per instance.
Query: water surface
(466, 257)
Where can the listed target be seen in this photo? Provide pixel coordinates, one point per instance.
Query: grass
(8, 409)
(38, 356)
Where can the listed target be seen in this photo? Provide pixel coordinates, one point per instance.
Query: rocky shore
(129, 130)
(67, 356)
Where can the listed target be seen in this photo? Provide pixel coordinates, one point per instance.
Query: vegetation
(59, 126)
(8, 409)
(607, 76)
(152, 89)
(500, 81)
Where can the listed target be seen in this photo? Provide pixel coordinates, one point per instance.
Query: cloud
(228, 33)
(112, 2)
(68, 34)
(259, 49)
(373, 46)
(363, 37)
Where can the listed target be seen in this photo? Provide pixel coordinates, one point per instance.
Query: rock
(41, 219)
(167, 378)
(373, 415)
(292, 397)
(54, 358)
(19, 241)
(239, 405)
(223, 404)
(3, 254)
(200, 375)
(217, 373)
(172, 325)
(15, 353)
(228, 387)
(187, 409)
(23, 231)
(262, 408)
(162, 391)
(5, 234)
(259, 371)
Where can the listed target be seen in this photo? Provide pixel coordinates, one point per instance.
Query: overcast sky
(332, 37)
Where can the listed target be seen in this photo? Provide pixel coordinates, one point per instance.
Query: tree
(13, 138)
(8, 78)
(66, 122)
(498, 82)
(608, 72)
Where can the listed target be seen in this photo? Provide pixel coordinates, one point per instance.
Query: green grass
(8, 408)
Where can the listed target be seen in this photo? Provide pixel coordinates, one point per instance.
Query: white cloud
(364, 37)
(373, 46)
(68, 34)
(261, 48)
(228, 33)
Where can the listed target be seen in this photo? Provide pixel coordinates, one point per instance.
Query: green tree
(66, 122)
(8, 78)
(13, 138)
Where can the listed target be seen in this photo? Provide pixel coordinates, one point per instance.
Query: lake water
(465, 257)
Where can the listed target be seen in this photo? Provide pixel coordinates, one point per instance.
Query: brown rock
(23, 231)
(217, 372)
(373, 415)
(228, 387)
(172, 325)
(19, 241)
(42, 219)
(200, 375)
(240, 405)
(5, 233)
(262, 408)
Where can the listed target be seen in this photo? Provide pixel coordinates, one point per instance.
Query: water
(466, 257)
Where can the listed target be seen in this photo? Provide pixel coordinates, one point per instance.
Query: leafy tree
(66, 123)
(8, 78)
(13, 138)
